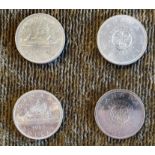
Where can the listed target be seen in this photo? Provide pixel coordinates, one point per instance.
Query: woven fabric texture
(77, 78)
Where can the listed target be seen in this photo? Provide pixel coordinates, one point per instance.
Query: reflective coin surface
(122, 40)
(119, 113)
(37, 114)
(40, 38)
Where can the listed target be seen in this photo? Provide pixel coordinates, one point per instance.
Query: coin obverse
(122, 40)
(40, 38)
(119, 113)
(37, 114)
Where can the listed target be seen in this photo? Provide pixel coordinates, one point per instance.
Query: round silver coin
(122, 40)
(37, 114)
(40, 38)
(119, 113)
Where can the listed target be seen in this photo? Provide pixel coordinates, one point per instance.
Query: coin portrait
(122, 40)
(119, 113)
(40, 38)
(37, 114)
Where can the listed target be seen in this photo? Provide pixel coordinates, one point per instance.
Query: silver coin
(40, 38)
(37, 114)
(119, 113)
(122, 40)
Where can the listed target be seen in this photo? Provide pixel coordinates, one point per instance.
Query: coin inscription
(37, 114)
(119, 113)
(40, 38)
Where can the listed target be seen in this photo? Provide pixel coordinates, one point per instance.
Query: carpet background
(77, 78)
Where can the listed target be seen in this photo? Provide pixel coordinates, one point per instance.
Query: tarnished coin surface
(40, 38)
(37, 114)
(122, 40)
(119, 113)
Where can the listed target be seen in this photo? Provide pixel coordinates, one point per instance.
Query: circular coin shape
(119, 113)
(40, 38)
(122, 40)
(37, 114)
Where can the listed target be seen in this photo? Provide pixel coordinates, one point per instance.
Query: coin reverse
(40, 38)
(119, 113)
(122, 40)
(38, 114)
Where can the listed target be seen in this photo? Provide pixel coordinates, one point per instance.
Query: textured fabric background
(78, 78)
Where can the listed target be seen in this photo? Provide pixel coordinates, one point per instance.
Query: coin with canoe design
(119, 113)
(122, 40)
(37, 114)
(40, 38)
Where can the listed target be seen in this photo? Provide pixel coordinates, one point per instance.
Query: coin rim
(144, 49)
(124, 91)
(58, 53)
(60, 120)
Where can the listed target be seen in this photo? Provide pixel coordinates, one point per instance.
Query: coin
(119, 113)
(37, 114)
(40, 38)
(122, 40)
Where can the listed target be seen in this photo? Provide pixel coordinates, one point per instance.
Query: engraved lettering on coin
(37, 114)
(122, 40)
(119, 113)
(40, 38)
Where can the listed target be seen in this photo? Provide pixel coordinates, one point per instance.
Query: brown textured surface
(78, 78)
